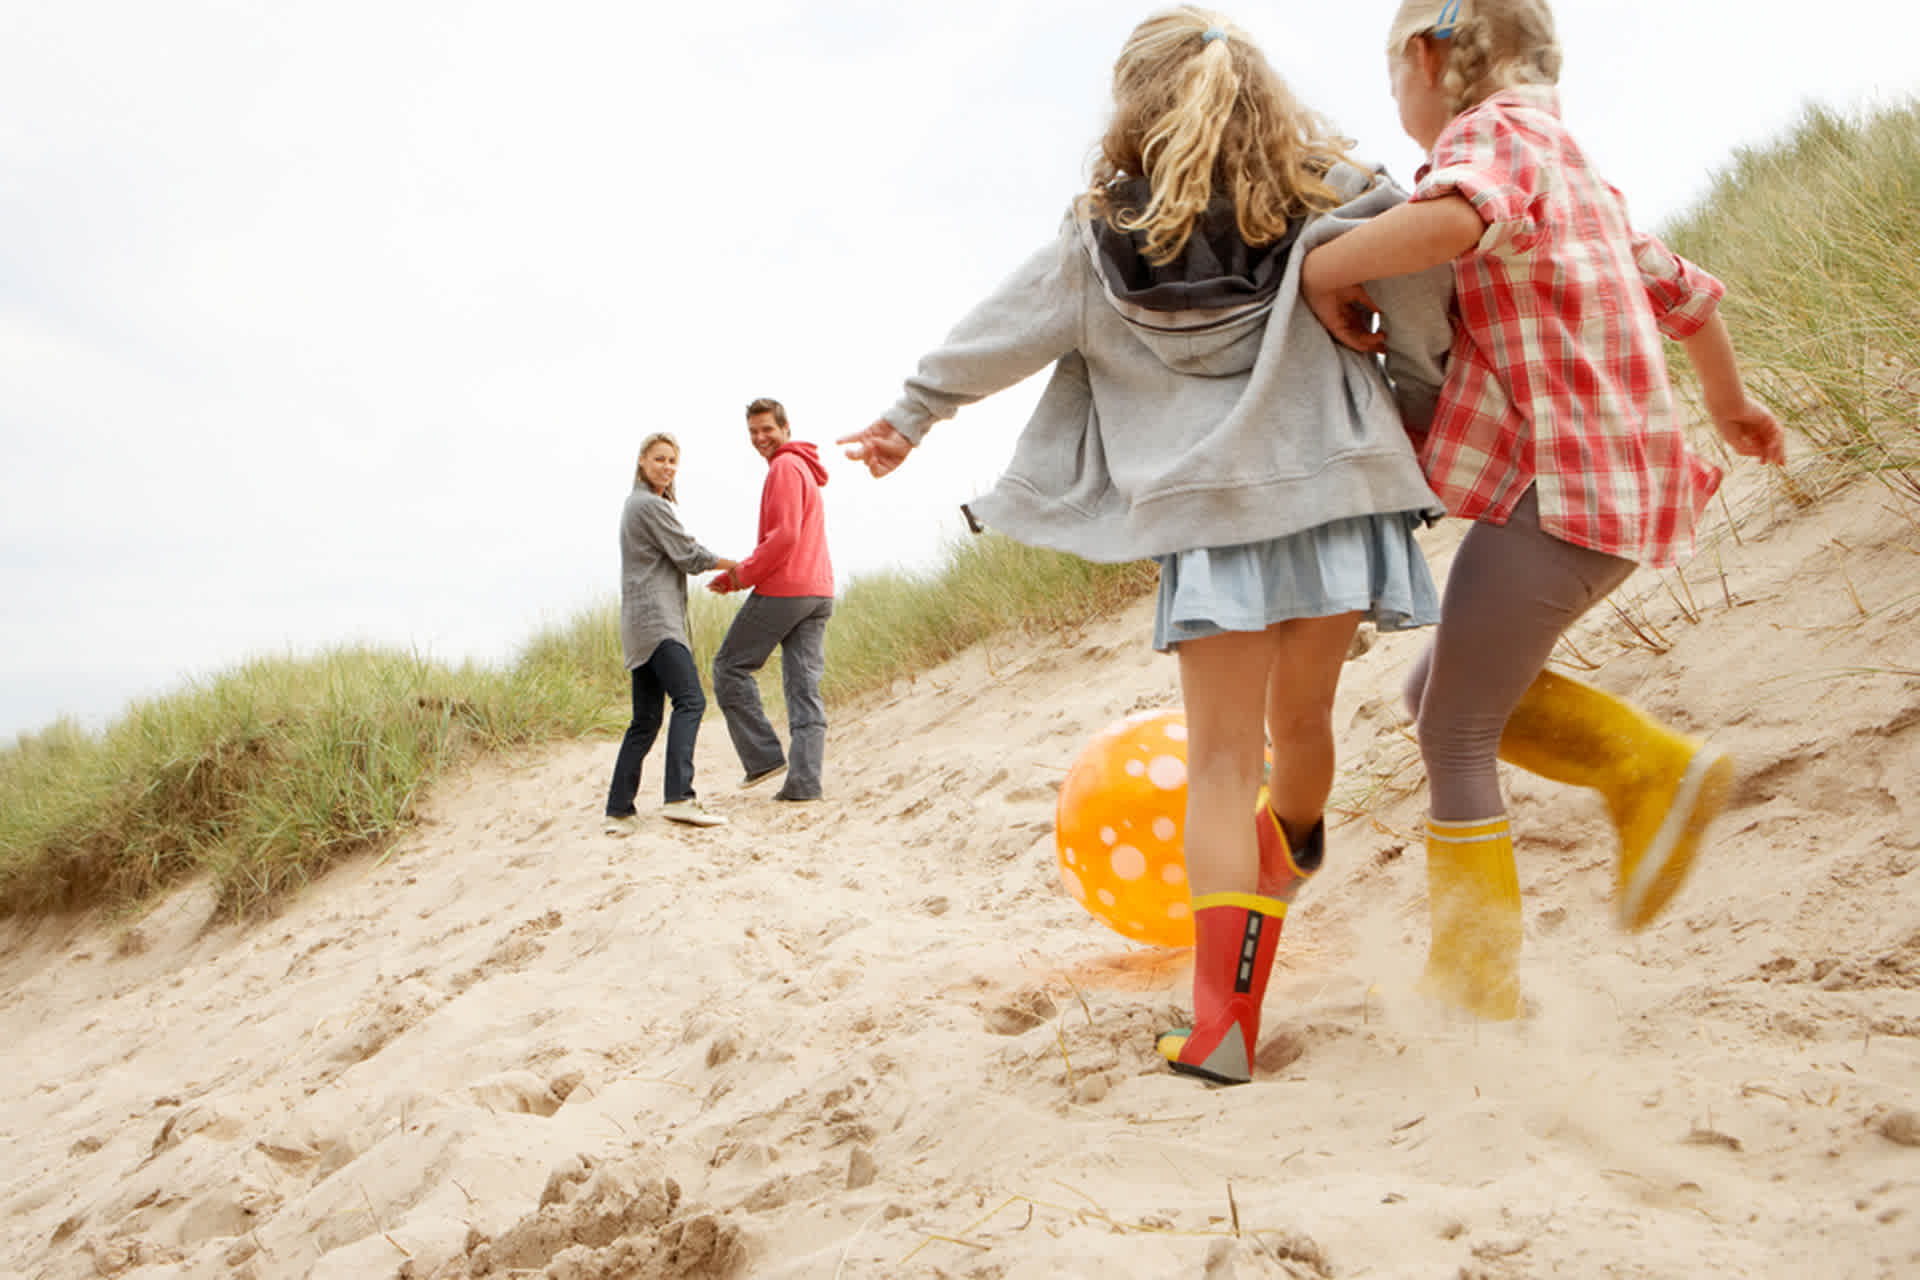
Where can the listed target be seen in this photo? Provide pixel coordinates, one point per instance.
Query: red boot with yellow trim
(1236, 936)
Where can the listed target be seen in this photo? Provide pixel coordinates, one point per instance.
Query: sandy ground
(873, 1037)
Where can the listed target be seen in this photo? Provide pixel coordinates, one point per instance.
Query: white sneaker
(620, 826)
(692, 813)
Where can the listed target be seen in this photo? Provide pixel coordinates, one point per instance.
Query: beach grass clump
(1817, 235)
(262, 776)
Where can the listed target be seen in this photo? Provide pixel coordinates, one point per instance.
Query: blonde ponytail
(1200, 113)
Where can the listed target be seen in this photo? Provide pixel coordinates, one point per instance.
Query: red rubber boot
(1236, 936)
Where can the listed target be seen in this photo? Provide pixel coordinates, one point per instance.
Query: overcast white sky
(324, 322)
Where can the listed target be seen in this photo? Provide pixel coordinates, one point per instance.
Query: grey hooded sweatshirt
(1195, 404)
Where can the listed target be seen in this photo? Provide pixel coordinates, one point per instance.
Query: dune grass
(262, 775)
(265, 775)
(1817, 236)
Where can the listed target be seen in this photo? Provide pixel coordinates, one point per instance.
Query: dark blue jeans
(669, 673)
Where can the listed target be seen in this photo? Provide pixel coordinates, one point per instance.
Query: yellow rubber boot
(1663, 788)
(1473, 895)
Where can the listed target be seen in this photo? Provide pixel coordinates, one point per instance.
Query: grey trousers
(798, 625)
(1512, 590)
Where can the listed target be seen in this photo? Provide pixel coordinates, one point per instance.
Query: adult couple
(792, 596)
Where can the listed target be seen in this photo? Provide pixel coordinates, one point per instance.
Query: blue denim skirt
(1370, 564)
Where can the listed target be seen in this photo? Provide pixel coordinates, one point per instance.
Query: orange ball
(1120, 829)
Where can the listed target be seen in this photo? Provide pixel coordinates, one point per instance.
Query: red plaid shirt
(1557, 377)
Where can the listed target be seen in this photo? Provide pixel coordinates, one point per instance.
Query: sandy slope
(873, 1038)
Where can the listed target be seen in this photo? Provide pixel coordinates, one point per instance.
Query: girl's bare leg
(1304, 675)
(1296, 665)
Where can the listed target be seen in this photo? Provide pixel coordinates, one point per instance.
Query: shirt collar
(1535, 97)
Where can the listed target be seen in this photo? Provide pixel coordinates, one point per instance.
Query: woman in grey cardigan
(656, 555)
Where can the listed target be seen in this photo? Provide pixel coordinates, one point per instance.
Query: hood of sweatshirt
(808, 455)
(1203, 311)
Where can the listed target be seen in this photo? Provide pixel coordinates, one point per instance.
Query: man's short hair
(767, 405)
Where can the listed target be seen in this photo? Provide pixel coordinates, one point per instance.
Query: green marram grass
(1817, 237)
(262, 775)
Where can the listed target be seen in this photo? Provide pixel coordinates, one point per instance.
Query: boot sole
(1193, 1068)
(1664, 867)
(1201, 1073)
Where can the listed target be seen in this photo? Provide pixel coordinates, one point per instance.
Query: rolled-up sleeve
(1683, 295)
(1483, 161)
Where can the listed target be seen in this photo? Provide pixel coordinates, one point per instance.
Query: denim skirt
(1370, 564)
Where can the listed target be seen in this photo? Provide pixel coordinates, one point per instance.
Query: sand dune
(872, 1037)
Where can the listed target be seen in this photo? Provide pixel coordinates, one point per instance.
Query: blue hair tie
(1449, 19)
(1211, 34)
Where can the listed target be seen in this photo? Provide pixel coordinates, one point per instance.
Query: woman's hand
(721, 583)
(879, 446)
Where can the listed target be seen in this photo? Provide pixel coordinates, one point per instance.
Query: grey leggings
(1512, 591)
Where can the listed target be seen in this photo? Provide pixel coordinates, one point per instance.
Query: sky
(338, 323)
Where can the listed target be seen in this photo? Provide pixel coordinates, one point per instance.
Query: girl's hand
(1752, 431)
(1347, 312)
(879, 446)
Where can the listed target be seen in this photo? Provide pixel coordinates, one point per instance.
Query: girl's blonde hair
(1199, 112)
(1491, 44)
(639, 476)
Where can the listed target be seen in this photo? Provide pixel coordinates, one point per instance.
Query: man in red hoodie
(792, 582)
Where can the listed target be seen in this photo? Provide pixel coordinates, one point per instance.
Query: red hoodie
(790, 559)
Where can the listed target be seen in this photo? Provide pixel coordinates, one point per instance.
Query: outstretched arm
(879, 446)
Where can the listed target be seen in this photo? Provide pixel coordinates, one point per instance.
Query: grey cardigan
(656, 555)
(1169, 425)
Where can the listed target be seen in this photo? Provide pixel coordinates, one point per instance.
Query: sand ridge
(873, 1037)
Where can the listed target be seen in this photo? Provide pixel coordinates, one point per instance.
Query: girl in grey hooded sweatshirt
(1198, 414)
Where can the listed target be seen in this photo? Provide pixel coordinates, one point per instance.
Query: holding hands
(879, 446)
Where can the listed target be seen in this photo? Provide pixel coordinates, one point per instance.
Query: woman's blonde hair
(1199, 112)
(1491, 44)
(639, 476)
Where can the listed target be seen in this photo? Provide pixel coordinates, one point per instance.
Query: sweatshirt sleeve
(657, 522)
(781, 505)
(1023, 326)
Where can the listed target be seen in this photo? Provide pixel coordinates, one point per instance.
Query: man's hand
(879, 446)
(721, 583)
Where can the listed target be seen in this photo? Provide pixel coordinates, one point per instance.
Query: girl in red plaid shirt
(1555, 433)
